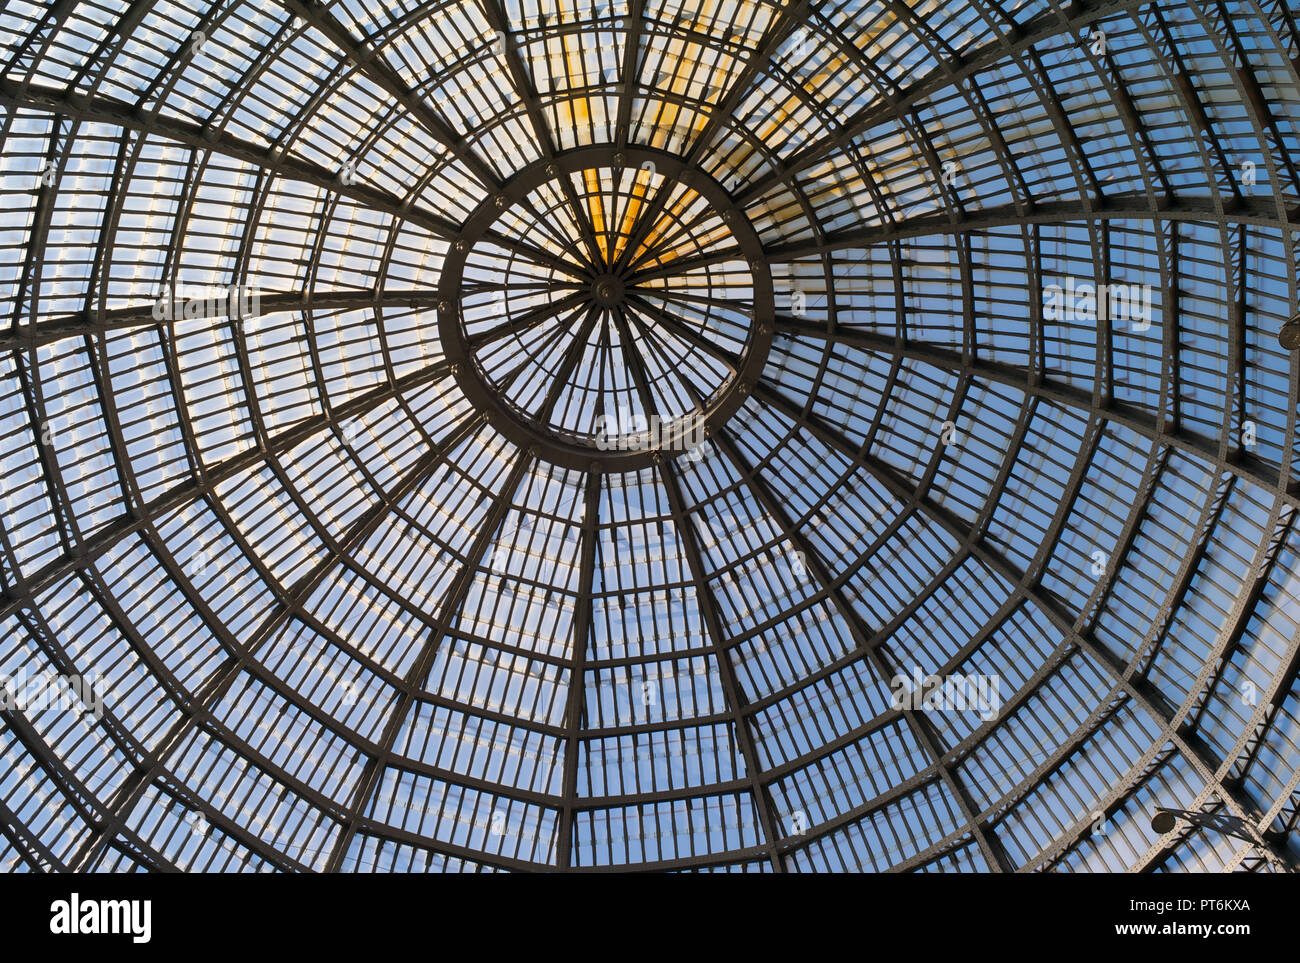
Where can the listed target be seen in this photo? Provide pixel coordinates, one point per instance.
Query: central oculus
(607, 308)
(607, 291)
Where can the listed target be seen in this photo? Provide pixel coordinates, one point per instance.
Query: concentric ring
(563, 334)
(342, 623)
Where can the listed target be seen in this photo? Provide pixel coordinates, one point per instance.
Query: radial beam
(1135, 419)
(1042, 27)
(98, 109)
(1143, 423)
(378, 72)
(684, 529)
(522, 323)
(416, 677)
(793, 12)
(188, 309)
(1141, 692)
(759, 792)
(200, 706)
(1205, 450)
(924, 733)
(23, 591)
(1255, 211)
(1196, 703)
(575, 703)
(546, 141)
(632, 39)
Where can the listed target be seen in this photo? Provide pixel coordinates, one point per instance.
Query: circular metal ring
(572, 451)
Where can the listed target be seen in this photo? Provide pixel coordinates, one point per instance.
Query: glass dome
(758, 436)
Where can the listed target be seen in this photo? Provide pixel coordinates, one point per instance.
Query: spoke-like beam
(791, 14)
(760, 793)
(74, 791)
(1190, 713)
(568, 365)
(200, 707)
(1136, 419)
(92, 322)
(890, 108)
(815, 565)
(1138, 690)
(680, 329)
(530, 319)
(575, 704)
(496, 17)
(417, 676)
(22, 592)
(1127, 207)
(378, 72)
(98, 109)
(685, 531)
(1204, 449)
(632, 38)
(1141, 422)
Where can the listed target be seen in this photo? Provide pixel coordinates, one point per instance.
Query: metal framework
(641, 410)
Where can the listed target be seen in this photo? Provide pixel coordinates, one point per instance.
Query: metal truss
(633, 205)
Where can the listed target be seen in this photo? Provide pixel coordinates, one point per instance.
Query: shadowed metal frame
(1227, 209)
